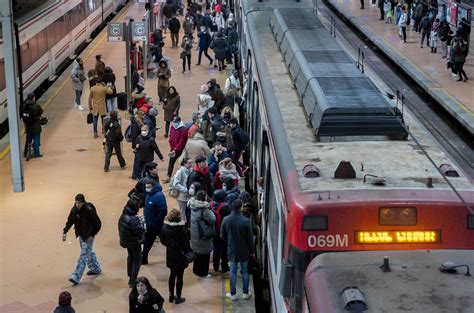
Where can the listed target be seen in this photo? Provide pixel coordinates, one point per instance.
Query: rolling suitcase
(122, 101)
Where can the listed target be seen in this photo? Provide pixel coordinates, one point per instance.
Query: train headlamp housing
(315, 222)
(400, 216)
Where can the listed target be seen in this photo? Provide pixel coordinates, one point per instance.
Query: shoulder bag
(205, 230)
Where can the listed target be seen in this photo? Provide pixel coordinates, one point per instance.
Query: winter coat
(110, 78)
(174, 236)
(146, 147)
(76, 74)
(219, 99)
(131, 231)
(174, 25)
(204, 102)
(171, 107)
(240, 138)
(187, 46)
(99, 68)
(219, 45)
(34, 123)
(220, 22)
(204, 40)
(85, 220)
(164, 75)
(97, 98)
(213, 163)
(202, 177)
(232, 80)
(196, 146)
(402, 22)
(113, 131)
(168, 10)
(180, 181)
(151, 297)
(200, 210)
(178, 138)
(232, 195)
(236, 230)
(217, 182)
(217, 123)
(135, 130)
(188, 26)
(206, 130)
(425, 24)
(64, 309)
(460, 53)
(155, 208)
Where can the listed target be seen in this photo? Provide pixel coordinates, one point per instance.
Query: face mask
(148, 189)
(224, 187)
(144, 133)
(191, 191)
(175, 125)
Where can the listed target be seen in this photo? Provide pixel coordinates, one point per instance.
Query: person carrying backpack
(220, 209)
(32, 119)
(113, 138)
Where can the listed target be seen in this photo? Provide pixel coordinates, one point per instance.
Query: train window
(78, 14)
(42, 43)
(92, 5)
(2, 74)
(29, 53)
(57, 31)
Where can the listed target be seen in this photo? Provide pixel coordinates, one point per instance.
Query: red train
(342, 172)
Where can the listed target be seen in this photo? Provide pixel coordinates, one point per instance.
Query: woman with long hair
(144, 298)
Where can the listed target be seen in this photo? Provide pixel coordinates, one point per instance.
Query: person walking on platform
(179, 183)
(219, 46)
(113, 138)
(402, 24)
(361, 4)
(78, 77)
(388, 10)
(32, 112)
(174, 236)
(171, 108)
(164, 75)
(97, 106)
(144, 298)
(186, 50)
(144, 150)
(200, 213)
(64, 303)
(175, 26)
(99, 66)
(381, 5)
(155, 211)
(87, 224)
(177, 141)
(418, 11)
(132, 236)
(204, 43)
(237, 231)
(188, 26)
(460, 54)
(425, 27)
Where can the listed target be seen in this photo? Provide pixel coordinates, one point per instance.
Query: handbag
(182, 55)
(189, 256)
(205, 230)
(90, 118)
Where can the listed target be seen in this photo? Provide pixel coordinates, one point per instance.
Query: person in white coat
(233, 80)
(204, 100)
(78, 78)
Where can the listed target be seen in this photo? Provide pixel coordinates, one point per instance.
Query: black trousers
(206, 54)
(110, 147)
(201, 264)
(219, 254)
(134, 260)
(176, 277)
(188, 57)
(382, 12)
(460, 70)
(171, 163)
(150, 237)
(404, 33)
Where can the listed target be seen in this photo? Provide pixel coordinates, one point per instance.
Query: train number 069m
(328, 241)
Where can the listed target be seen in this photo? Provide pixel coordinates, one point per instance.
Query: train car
(49, 37)
(341, 170)
(390, 281)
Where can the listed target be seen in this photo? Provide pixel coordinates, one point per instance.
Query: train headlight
(397, 216)
(315, 222)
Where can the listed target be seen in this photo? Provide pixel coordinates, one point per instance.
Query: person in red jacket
(177, 140)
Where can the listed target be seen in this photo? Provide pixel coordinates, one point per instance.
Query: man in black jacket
(113, 138)
(241, 140)
(200, 174)
(32, 119)
(237, 231)
(132, 235)
(87, 224)
(174, 26)
(138, 193)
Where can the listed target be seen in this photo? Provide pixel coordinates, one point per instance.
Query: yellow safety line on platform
(61, 87)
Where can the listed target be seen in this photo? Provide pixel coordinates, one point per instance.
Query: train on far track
(49, 38)
(344, 169)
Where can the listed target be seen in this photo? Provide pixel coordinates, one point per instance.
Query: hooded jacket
(35, 111)
(204, 102)
(174, 237)
(179, 182)
(201, 176)
(200, 210)
(155, 208)
(196, 146)
(178, 138)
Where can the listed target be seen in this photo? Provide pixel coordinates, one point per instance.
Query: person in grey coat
(179, 182)
(202, 247)
(237, 231)
(77, 79)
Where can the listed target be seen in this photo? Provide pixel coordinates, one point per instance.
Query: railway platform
(427, 69)
(34, 263)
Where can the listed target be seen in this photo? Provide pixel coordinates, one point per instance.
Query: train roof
(414, 284)
(402, 163)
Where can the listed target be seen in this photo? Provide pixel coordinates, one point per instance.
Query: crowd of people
(213, 216)
(430, 20)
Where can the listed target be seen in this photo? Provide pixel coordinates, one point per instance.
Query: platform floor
(34, 263)
(431, 65)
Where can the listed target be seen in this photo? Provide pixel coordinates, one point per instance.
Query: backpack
(217, 213)
(128, 133)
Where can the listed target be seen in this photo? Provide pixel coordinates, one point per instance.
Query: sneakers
(80, 108)
(91, 273)
(246, 296)
(231, 296)
(73, 282)
(179, 300)
(171, 298)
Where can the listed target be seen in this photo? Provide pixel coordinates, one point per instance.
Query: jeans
(111, 105)
(134, 260)
(244, 270)
(110, 146)
(95, 121)
(176, 277)
(404, 33)
(36, 139)
(78, 96)
(219, 254)
(201, 50)
(87, 257)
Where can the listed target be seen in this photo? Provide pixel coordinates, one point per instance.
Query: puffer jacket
(131, 231)
(174, 236)
(200, 210)
(204, 102)
(155, 208)
(219, 45)
(35, 111)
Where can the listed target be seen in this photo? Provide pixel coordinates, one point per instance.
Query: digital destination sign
(397, 236)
